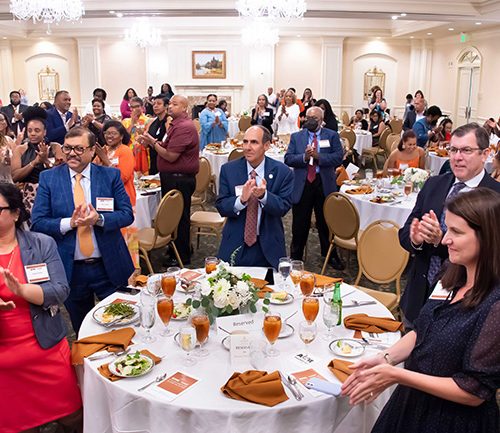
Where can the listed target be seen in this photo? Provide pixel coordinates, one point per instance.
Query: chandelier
(48, 11)
(260, 33)
(274, 9)
(143, 34)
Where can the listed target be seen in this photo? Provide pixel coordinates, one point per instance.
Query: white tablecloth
(145, 207)
(363, 140)
(369, 212)
(232, 127)
(433, 162)
(117, 407)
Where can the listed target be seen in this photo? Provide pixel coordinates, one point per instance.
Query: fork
(101, 355)
(158, 379)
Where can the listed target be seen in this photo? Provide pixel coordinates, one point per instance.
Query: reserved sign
(241, 322)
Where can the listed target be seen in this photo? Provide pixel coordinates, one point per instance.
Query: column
(331, 77)
(6, 71)
(420, 66)
(89, 63)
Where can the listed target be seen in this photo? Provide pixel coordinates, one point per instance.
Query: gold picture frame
(48, 84)
(373, 77)
(208, 64)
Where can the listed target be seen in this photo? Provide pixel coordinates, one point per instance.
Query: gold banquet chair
(396, 126)
(164, 230)
(244, 123)
(380, 150)
(342, 219)
(199, 197)
(349, 135)
(204, 223)
(392, 142)
(235, 154)
(344, 117)
(381, 260)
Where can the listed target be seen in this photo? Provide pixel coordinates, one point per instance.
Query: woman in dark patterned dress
(452, 358)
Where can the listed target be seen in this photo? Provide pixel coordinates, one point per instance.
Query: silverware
(118, 319)
(290, 316)
(222, 329)
(348, 293)
(358, 304)
(158, 379)
(395, 202)
(289, 386)
(293, 382)
(375, 345)
(105, 354)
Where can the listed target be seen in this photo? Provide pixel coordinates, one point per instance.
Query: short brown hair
(79, 131)
(482, 136)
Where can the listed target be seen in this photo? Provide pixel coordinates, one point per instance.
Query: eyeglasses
(79, 150)
(135, 106)
(464, 150)
(111, 134)
(2, 208)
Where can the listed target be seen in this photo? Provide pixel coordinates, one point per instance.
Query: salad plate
(131, 365)
(117, 314)
(347, 347)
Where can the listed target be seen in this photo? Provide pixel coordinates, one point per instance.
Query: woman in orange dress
(408, 154)
(37, 381)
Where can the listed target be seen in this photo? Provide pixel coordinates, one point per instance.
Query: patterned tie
(251, 218)
(83, 232)
(311, 169)
(435, 263)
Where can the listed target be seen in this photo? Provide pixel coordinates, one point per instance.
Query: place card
(351, 170)
(240, 350)
(304, 376)
(241, 322)
(190, 275)
(174, 386)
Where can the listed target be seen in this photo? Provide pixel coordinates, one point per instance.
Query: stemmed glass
(201, 324)
(154, 284)
(165, 307)
(272, 329)
(307, 332)
(307, 282)
(330, 319)
(187, 341)
(148, 304)
(169, 282)
(296, 273)
(284, 268)
(310, 308)
(408, 189)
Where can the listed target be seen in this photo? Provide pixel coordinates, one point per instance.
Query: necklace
(11, 257)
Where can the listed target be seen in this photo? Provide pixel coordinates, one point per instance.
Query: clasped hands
(84, 215)
(251, 189)
(428, 230)
(311, 152)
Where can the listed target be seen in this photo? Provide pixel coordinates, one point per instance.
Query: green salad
(119, 309)
(133, 365)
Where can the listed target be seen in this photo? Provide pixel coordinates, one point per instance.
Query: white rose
(205, 288)
(242, 288)
(220, 300)
(233, 300)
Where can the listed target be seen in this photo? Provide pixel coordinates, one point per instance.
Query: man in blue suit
(59, 119)
(314, 153)
(83, 207)
(255, 192)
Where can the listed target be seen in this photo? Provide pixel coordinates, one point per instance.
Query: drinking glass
(310, 308)
(369, 175)
(272, 329)
(201, 325)
(168, 283)
(154, 284)
(284, 269)
(148, 304)
(165, 308)
(307, 281)
(211, 264)
(330, 319)
(408, 189)
(307, 333)
(296, 273)
(187, 341)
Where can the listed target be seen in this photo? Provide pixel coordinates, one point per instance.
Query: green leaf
(229, 309)
(188, 301)
(205, 302)
(253, 308)
(196, 303)
(265, 309)
(266, 301)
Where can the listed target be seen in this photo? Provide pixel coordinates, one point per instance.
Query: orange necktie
(83, 233)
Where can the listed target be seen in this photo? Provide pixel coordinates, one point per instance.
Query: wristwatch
(100, 220)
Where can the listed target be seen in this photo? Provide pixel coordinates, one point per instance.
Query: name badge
(324, 144)
(104, 204)
(114, 161)
(238, 190)
(266, 114)
(38, 273)
(439, 293)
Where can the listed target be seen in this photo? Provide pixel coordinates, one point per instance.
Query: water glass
(369, 175)
(307, 333)
(187, 341)
(284, 269)
(296, 273)
(148, 315)
(330, 319)
(154, 284)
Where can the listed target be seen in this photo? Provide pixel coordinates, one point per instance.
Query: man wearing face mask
(14, 111)
(424, 128)
(314, 153)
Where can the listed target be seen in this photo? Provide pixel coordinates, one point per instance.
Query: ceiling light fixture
(451, 29)
(49, 12)
(403, 14)
(394, 17)
(143, 34)
(429, 34)
(260, 33)
(478, 24)
(273, 9)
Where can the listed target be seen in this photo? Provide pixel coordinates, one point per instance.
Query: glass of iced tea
(296, 273)
(165, 308)
(211, 264)
(310, 308)
(168, 283)
(272, 329)
(201, 324)
(408, 188)
(307, 281)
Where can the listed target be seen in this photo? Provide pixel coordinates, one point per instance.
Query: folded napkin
(256, 387)
(260, 284)
(115, 340)
(340, 369)
(323, 280)
(141, 281)
(262, 292)
(363, 322)
(341, 175)
(104, 368)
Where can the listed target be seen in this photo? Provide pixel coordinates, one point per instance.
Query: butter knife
(359, 304)
(289, 386)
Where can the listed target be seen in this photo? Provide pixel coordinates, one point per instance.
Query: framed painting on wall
(209, 64)
(373, 77)
(48, 84)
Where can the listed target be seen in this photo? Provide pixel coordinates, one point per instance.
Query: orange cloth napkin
(260, 284)
(115, 340)
(141, 281)
(256, 387)
(104, 369)
(262, 292)
(323, 280)
(363, 322)
(341, 175)
(340, 369)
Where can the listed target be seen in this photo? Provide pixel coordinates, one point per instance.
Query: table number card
(174, 386)
(241, 322)
(304, 376)
(240, 350)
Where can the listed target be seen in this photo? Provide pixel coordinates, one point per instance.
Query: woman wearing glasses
(35, 156)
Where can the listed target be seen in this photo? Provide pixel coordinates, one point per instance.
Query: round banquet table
(397, 211)
(146, 205)
(232, 127)
(433, 162)
(117, 407)
(363, 140)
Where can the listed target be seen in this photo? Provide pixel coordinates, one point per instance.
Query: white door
(468, 84)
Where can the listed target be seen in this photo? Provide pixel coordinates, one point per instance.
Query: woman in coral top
(408, 154)
(37, 381)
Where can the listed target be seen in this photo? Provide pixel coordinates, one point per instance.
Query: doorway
(469, 73)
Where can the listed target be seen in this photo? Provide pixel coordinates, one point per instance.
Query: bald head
(177, 106)
(315, 112)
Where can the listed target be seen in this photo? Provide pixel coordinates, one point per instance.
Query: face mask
(434, 123)
(311, 125)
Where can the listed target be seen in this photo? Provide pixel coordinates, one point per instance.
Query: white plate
(112, 366)
(356, 347)
(288, 300)
(97, 316)
(286, 331)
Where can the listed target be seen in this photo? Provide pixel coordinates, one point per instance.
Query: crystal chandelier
(260, 33)
(143, 34)
(48, 11)
(274, 9)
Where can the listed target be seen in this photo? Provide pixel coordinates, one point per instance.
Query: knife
(359, 304)
(289, 386)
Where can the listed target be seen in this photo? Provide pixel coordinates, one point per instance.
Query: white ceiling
(324, 18)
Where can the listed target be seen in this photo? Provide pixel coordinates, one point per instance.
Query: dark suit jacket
(267, 121)
(329, 159)
(279, 200)
(54, 201)
(55, 126)
(8, 110)
(411, 118)
(432, 196)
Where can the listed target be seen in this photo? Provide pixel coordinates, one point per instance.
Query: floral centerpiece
(227, 292)
(416, 176)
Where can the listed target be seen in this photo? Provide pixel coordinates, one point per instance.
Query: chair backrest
(380, 256)
(396, 126)
(239, 136)
(197, 125)
(382, 143)
(350, 135)
(392, 141)
(285, 138)
(169, 214)
(341, 216)
(346, 145)
(344, 117)
(244, 123)
(203, 176)
(235, 154)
